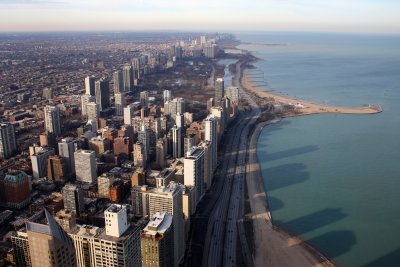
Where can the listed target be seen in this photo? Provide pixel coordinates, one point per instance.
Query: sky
(374, 16)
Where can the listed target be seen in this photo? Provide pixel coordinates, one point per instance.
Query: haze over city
(276, 15)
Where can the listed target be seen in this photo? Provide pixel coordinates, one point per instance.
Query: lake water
(334, 180)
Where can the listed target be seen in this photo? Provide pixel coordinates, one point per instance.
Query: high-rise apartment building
(139, 155)
(102, 93)
(57, 169)
(208, 170)
(66, 149)
(85, 99)
(39, 161)
(167, 95)
(176, 142)
(210, 134)
(157, 241)
(189, 142)
(163, 199)
(118, 82)
(232, 93)
(104, 183)
(52, 120)
(128, 77)
(8, 144)
(90, 85)
(73, 198)
(128, 114)
(219, 89)
(119, 104)
(85, 166)
(194, 171)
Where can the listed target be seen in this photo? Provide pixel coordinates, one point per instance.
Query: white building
(90, 85)
(85, 99)
(211, 136)
(116, 219)
(194, 171)
(52, 120)
(85, 166)
(119, 104)
(39, 161)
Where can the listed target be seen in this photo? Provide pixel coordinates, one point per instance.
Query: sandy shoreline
(274, 246)
(307, 107)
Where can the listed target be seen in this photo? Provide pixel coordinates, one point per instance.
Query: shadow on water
(338, 242)
(274, 203)
(292, 152)
(391, 259)
(285, 175)
(313, 221)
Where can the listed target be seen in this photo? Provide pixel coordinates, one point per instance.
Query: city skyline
(290, 15)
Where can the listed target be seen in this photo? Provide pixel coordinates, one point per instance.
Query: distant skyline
(233, 15)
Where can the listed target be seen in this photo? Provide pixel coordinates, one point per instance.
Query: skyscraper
(232, 93)
(102, 93)
(189, 142)
(90, 85)
(128, 78)
(66, 149)
(219, 89)
(176, 142)
(194, 171)
(52, 120)
(119, 104)
(128, 114)
(157, 241)
(85, 166)
(139, 155)
(144, 101)
(49, 245)
(39, 161)
(57, 169)
(73, 198)
(8, 144)
(136, 70)
(164, 199)
(85, 99)
(118, 82)
(167, 95)
(144, 138)
(211, 136)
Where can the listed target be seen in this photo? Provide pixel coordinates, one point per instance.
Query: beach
(304, 107)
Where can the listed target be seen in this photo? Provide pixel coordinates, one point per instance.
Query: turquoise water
(334, 180)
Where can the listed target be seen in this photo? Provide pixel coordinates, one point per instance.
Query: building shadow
(313, 221)
(284, 175)
(389, 260)
(274, 203)
(338, 242)
(292, 152)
